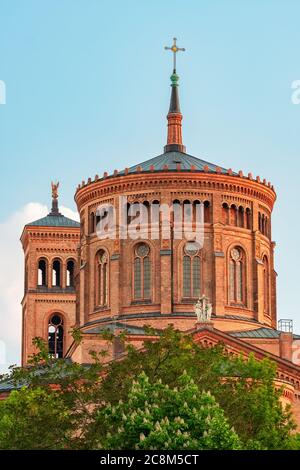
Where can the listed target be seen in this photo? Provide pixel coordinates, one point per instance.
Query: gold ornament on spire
(54, 189)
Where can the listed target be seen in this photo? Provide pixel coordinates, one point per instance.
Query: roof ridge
(54, 220)
(171, 160)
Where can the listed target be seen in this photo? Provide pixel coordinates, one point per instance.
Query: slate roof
(259, 333)
(172, 159)
(7, 385)
(111, 327)
(54, 221)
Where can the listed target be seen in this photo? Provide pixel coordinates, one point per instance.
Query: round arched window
(237, 276)
(142, 272)
(192, 248)
(191, 270)
(101, 279)
(56, 336)
(142, 250)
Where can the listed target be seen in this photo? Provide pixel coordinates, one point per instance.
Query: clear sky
(87, 91)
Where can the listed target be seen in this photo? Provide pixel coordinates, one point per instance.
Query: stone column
(63, 274)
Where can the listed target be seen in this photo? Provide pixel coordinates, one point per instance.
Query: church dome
(172, 161)
(157, 281)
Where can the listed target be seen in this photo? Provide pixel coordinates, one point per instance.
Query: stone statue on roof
(203, 309)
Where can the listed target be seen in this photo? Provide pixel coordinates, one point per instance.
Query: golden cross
(174, 49)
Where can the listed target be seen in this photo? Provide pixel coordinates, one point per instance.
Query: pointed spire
(174, 117)
(54, 209)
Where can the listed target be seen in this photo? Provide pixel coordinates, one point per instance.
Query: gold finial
(54, 189)
(174, 48)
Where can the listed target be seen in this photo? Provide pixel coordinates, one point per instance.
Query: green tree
(68, 404)
(156, 416)
(34, 419)
(244, 387)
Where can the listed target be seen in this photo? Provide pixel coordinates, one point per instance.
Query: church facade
(78, 276)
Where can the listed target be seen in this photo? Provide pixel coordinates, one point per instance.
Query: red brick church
(73, 277)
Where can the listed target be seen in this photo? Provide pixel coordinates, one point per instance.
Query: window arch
(56, 336)
(266, 285)
(248, 218)
(233, 215)
(191, 271)
(70, 280)
(266, 227)
(240, 216)
(92, 222)
(42, 273)
(225, 213)
(237, 276)
(206, 212)
(142, 272)
(101, 278)
(56, 273)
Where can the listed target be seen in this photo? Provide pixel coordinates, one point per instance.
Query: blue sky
(87, 85)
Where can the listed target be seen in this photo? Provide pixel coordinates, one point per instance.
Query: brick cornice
(49, 233)
(172, 181)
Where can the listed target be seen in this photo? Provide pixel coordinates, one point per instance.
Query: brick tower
(125, 283)
(50, 250)
(157, 281)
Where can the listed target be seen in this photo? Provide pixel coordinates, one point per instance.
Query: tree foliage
(172, 394)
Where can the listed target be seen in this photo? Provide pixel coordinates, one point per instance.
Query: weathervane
(174, 49)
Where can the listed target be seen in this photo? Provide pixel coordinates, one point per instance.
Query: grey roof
(6, 385)
(111, 327)
(172, 159)
(159, 315)
(259, 333)
(54, 221)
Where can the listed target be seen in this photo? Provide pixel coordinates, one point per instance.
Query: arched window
(154, 219)
(42, 273)
(191, 271)
(225, 213)
(101, 213)
(128, 205)
(70, 273)
(206, 212)
(56, 336)
(92, 222)
(196, 207)
(241, 216)
(233, 215)
(259, 222)
(248, 218)
(56, 273)
(187, 214)
(266, 284)
(101, 278)
(237, 276)
(142, 272)
(263, 224)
